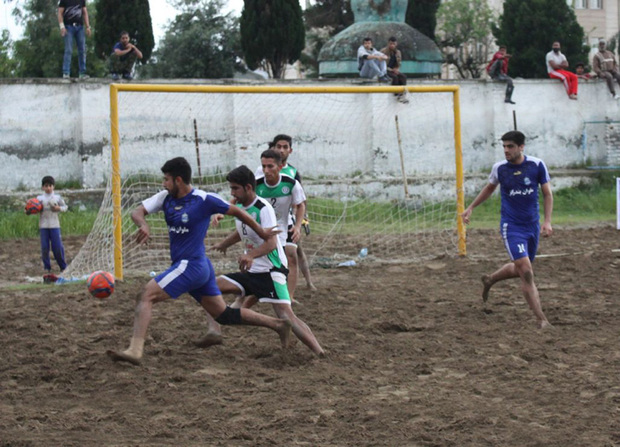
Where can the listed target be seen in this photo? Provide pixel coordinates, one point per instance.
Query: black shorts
(266, 287)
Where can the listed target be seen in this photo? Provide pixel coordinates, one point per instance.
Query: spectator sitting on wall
(393, 66)
(557, 65)
(605, 66)
(580, 71)
(123, 58)
(498, 70)
(371, 63)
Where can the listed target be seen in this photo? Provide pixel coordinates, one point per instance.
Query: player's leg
(214, 329)
(304, 267)
(291, 257)
(271, 288)
(151, 294)
(300, 329)
(506, 271)
(57, 248)
(179, 278)
(211, 300)
(44, 234)
(530, 291)
(226, 315)
(515, 242)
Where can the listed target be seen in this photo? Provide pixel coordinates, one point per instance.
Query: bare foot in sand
(545, 325)
(311, 287)
(284, 331)
(123, 357)
(486, 286)
(211, 339)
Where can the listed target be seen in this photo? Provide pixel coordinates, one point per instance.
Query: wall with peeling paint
(63, 129)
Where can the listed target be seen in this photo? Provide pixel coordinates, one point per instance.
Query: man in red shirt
(498, 70)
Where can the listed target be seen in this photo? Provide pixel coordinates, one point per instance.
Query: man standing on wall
(72, 18)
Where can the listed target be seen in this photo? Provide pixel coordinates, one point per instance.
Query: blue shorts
(195, 277)
(520, 240)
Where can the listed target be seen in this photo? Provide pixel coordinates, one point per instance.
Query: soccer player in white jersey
(188, 212)
(284, 145)
(283, 193)
(519, 177)
(263, 264)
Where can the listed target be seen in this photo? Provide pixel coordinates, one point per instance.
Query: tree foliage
(422, 15)
(39, 53)
(528, 29)
(199, 43)
(133, 16)
(334, 15)
(464, 35)
(7, 63)
(272, 34)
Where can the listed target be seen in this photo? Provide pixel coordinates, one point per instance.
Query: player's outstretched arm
(230, 240)
(138, 216)
(546, 228)
(263, 233)
(482, 196)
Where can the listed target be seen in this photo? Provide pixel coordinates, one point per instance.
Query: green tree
(7, 63)
(422, 15)
(323, 19)
(334, 15)
(133, 16)
(528, 28)
(39, 53)
(199, 43)
(464, 35)
(272, 34)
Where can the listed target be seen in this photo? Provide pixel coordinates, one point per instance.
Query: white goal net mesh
(346, 146)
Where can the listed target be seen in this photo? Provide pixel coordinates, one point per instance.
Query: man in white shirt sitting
(371, 62)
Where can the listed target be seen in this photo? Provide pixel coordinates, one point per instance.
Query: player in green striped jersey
(284, 144)
(263, 265)
(283, 193)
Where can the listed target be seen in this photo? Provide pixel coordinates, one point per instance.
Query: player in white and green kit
(263, 265)
(283, 144)
(283, 193)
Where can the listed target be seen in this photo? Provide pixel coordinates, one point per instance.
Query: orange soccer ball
(34, 206)
(101, 284)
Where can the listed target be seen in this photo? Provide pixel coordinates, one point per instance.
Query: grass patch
(583, 204)
(17, 225)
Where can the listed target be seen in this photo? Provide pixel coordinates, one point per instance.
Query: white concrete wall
(63, 129)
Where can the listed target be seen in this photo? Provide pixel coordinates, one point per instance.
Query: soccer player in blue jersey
(519, 177)
(263, 264)
(188, 212)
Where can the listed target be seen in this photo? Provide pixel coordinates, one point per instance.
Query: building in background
(599, 19)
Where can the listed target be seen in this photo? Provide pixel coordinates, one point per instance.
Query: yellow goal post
(115, 89)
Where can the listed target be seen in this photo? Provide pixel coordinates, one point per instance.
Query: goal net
(378, 174)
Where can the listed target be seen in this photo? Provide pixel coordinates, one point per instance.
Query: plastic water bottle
(347, 264)
(363, 253)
